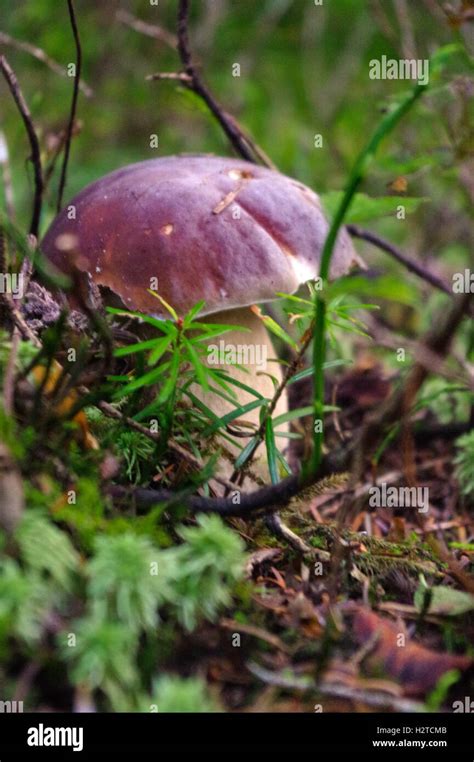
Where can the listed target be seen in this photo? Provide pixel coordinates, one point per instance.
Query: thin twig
(410, 264)
(278, 528)
(174, 76)
(255, 632)
(22, 106)
(150, 30)
(241, 142)
(406, 29)
(111, 412)
(40, 55)
(377, 699)
(75, 94)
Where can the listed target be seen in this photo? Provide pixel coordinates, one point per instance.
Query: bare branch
(263, 500)
(191, 78)
(75, 94)
(22, 106)
(410, 264)
(150, 30)
(40, 55)
(230, 128)
(176, 76)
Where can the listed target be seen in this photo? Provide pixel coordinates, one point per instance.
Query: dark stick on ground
(22, 106)
(75, 95)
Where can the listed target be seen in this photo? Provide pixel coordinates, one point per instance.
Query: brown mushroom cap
(223, 230)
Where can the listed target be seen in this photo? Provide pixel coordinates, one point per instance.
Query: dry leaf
(415, 667)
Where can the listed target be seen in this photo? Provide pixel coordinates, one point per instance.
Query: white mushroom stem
(253, 350)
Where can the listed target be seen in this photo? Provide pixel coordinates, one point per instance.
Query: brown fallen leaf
(415, 667)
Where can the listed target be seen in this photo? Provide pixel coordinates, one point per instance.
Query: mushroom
(199, 227)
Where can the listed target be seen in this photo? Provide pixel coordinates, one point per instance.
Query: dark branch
(22, 106)
(263, 500)
(414, 267)
(75, 95)
(241, 143)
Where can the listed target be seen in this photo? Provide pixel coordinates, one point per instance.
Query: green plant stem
(358, 173)
(319, 338)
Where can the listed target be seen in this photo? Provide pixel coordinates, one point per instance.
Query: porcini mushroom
(199, 227)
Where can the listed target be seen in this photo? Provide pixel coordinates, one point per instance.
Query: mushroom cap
(203, 227)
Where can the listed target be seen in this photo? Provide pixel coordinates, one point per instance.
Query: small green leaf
(246, 453)
(197, 364)
(273, 326)
(241, 385)
(283, 462)
(165, 304)
(272, 458)
(171, 381)
(308, 372)
(229, 417)
(189, 317)
(445, 601)
(146, 380)
(159, 349)
(163, 325)
(366, 209)
(132, 349)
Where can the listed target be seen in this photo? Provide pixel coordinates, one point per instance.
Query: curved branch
(75, 95)
(22, 106)
(410, 264)
(241, 142)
